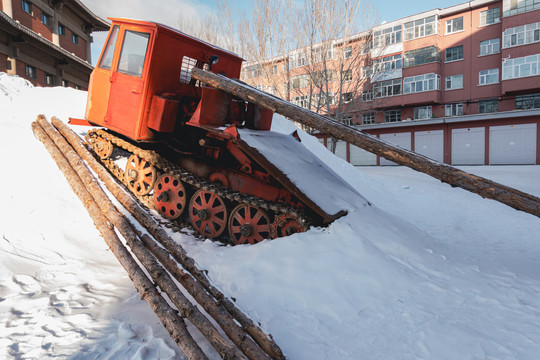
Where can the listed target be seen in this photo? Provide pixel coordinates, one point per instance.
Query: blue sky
(167, 11)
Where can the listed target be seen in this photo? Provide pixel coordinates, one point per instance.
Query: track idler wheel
(248, 224)
(169, 196)
(140, 175)
(208, 214)
(103, 148)
(285, 225)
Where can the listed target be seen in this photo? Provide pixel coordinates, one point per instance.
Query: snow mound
(427, 272)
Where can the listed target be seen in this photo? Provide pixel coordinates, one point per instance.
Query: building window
(388, 36)
(453, 109)
(346, 97)
(367, 95)
(301, 101)
(347, 75)
(420, 83)
(297, 59)
(490, 76)
(491, 46)
(420, 28)
(454, 25)
(531, 101)
(299, 81)
(521, 35)
(65, 83)
(27, 6)
(61, 30)
(454, 82)
(347, 120)
(75, 39)
(421, 56)
(366, 72)
(490, 16)
(521, 67)
(513, 7)
(368, 118)
(392, 116)
(454, 53)
(45, 19)
(347, 52)
(387, 88)
(388, 63)
(488, 106)
(423, 112)
(49, 79)
(30, 72)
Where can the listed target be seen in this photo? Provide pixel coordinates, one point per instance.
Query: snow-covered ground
(426, 272)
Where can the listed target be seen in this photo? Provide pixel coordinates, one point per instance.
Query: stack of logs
(163, 259)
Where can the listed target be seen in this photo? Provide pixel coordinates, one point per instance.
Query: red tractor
(202, 154)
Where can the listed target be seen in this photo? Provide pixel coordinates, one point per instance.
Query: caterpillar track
(282, 220)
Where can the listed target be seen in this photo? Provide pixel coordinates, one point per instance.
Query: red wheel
(285, 225)
(140, 175)
(103, 148)
(208, 214)
(248, 224)
(169, 196)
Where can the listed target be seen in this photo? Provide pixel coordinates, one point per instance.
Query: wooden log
(446, 173)
(176, 251)
(156, 271)
(167, 315)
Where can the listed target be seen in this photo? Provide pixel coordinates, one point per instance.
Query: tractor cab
(142, 83)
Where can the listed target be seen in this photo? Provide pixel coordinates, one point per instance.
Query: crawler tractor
(199, 153)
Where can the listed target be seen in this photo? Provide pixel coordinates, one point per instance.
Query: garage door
(468, 146)
(362, 157)
(512, 144)
(430, 144)
(402, 140)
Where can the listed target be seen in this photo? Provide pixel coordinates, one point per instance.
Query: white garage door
(400, 139)
(512, 144)
(430, 144)
(362, 157)
(341, 149)
(468, 146)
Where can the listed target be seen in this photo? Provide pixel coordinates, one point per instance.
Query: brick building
(460, 85)
(48, 41)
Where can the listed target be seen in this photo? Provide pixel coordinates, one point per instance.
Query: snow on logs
(445, 173)
(155, 259)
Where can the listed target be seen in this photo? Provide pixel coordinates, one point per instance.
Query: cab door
(124, 112)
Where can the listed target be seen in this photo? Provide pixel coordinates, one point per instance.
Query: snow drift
(427, 272)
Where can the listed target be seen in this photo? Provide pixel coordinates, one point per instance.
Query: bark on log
(156, 271)
(167, 315)
(176, 251)
(446, 173)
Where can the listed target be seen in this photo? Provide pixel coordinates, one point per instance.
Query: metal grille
(187, 65)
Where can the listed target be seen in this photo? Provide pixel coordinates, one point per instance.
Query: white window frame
(446, 52)
(303, 81)
(393, 115)
(367, 95)
(492, 103)
(521, 35)
(490, 16)
(388, 63)
(454, 82)
(301, 101)
(453, 109)
(387, 88)
(488, 77)
(491, 46)
(420, 28)
(347, 52)
(388, 36)
(519, 6)
(521, 67)
(368, 118)
(347, 75)
(297, 59)
(454, 25)
(423, 112)
(426, 82)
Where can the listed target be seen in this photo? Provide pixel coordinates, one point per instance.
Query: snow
(426, 272)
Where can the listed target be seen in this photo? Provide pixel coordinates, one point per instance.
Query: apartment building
(460, 85)
(48, 42)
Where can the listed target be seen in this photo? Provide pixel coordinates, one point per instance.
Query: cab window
(108, 53)
(133, 53)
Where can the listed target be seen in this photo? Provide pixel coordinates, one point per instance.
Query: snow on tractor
(197, 152)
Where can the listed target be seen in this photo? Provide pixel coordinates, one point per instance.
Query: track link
(197, 182)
